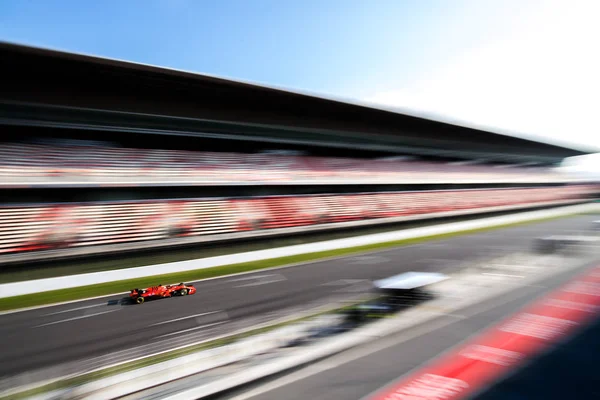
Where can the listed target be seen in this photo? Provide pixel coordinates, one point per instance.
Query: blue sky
(333, 46)
(521, 67)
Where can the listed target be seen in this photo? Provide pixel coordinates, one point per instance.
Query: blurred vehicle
(161, 292)
(395, 293)
(558, 243)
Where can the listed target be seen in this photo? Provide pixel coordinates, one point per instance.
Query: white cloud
(539, 78)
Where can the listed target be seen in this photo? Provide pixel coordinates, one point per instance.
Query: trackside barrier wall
(65, 282)
(79, 251)
(66, 226)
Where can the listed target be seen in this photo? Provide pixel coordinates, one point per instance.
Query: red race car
(161, 291)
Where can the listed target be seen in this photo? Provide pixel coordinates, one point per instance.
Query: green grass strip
(83, 292)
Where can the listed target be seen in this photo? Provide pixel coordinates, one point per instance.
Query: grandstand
(44, 227)
(98, 153)
(27, 164)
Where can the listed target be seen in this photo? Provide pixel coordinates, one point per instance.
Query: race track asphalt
(360, 373)
(93, 332)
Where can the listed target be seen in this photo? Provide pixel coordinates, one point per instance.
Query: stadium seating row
(41, 227)
(34, 163)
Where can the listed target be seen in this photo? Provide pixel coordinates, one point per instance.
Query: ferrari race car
(161, 291)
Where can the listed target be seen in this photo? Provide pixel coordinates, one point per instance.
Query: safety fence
(51, 164)
(54, 226)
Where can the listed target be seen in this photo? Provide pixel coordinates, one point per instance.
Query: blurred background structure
(97, 152)
(458, 159)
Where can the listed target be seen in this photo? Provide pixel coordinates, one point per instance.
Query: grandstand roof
(52, 88)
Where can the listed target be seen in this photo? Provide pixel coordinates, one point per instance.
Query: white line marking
(445, 314)
(245, 278)
(182, 318)
(437, 260)
(260, 283)
(262, 280)
(432, 245)
(62, 303)
(369, 260)
(504, 275)
(358, 287)
(191, 329)
(343, 282)
(74, 318)
(75, 309)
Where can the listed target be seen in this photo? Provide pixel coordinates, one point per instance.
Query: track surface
(85, 331)
(359, 373)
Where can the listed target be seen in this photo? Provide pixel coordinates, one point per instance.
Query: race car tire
(183, 292)
(139, 300)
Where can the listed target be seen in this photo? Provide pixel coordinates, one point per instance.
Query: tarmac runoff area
(85, 334)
